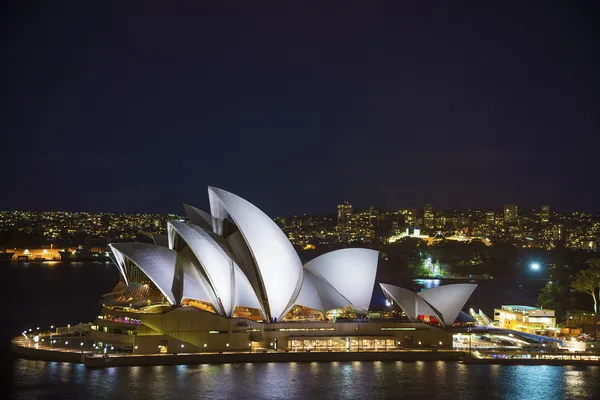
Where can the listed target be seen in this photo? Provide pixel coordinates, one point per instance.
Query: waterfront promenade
(91, 359)
(25, 349)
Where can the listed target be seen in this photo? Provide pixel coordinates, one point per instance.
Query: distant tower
(344, 212)
(545, 215)
(490, 218)
(410, 217)
(511, 214)
(429, 217)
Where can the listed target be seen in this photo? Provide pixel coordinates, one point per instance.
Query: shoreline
(91, 360)
(129, 360)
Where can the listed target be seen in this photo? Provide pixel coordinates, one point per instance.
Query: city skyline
(333, 210)
(402, 105)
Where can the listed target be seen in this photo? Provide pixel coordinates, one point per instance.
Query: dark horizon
(296, 108)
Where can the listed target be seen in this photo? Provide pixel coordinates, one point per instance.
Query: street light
(535, 266)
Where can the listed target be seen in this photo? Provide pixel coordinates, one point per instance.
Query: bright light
(66, 343)
(36, 338)
(182, 346)
(136, 347)
(227, 345)
(81, 344)
(419, 343)
(535, 266)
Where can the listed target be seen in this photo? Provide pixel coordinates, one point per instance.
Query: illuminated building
(490, 217)
(429, 217)
(410, 217)
(344, 212)
(525, 319)
(36, 255)
(231, 280)
(545, 215)
(511, 215)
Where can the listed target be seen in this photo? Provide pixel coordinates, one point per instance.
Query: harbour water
(40, 295)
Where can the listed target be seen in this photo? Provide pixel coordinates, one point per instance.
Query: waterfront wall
(193, 359)
(99, 361)
(32, 353)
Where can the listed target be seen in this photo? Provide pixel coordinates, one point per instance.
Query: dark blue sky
(112, 107)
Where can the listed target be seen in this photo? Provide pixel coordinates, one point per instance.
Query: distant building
(490, 217)
(429, 217)
(344, 212)
(525, 318)
(410, 217)
(558, 232)
(511, 214)
(545, 215)
(36, 255)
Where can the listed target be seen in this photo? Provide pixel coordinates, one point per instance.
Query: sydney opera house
(231, 281)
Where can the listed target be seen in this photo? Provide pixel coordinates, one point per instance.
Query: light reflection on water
(345, 380)
(428, 283)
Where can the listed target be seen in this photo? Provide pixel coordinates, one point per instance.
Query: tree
(550, 296)
(588, 281)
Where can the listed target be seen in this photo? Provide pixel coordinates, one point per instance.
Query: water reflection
(35, 379)
(428, 283)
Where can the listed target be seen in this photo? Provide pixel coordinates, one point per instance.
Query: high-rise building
(490, 217)
(429, 217)
(344, 212)
(511, 214)
(545, 215)
(410, 217)
(558, 232)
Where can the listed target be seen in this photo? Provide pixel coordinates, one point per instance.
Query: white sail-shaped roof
(195, 285)
(308, 296)
(448, 300)
(198, 217)
(120, 263)
(408, 301)
(276, 259)
(161, 240)
(158, 263)
(244, 293)
(218, 211)
(329, 297)
(350, 271)
(443, 302)
(218, 267)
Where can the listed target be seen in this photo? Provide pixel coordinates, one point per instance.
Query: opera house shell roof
(237, 256)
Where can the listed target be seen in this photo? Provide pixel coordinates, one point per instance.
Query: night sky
(296, 108)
